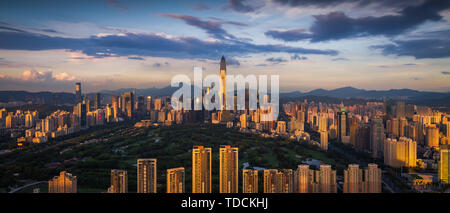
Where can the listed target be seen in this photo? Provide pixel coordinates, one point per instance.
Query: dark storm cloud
(289, 35)
(337, 25)
(419, 48)
(214, 28)
(357, 3)
(140, 45)
(240, 6)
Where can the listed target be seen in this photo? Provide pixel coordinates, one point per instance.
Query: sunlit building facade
(201, 170)
(146, 175)
(229, 169)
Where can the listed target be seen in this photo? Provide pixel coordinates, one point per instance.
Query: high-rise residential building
(304, 179)
(278, 181)
(327, 179)
(119, 181)
(81, 113)
(223, 88)
(116, 106)
(243, 119)
(64, 183)
(158, 104)
(146, 175)
(128, 104)
(358, 180)
(310, 181)
(402, 128)
(175, 180)
(97, 101)
(377, 137)
(201, 169)
(229, 166)
(432, 136)
(342, 124)
(400, 109)
(324, 140)
(444, 164)
(281, 126)
(395, 127)
(372, 179)
(77, 92)
(249, 181)
(353, 179)
(400, 153)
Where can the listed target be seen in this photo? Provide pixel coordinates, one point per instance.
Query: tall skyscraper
(97, 101)
(128, 104)
(327, 179)
(229, 169)
(201, 170)
(358, 180)
(377, 137)
(119, 181)
(175, 180)
(149, 103)
(78, 92)
(304, 179)
(146, 175)
(342, 124)
(249, 181)
(64, 183)
(444, 164)
(223, 88)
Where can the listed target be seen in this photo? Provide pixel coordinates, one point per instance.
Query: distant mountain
(37, 97)
(351, 92)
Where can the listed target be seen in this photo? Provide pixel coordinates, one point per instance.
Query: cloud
(340, 59)
(145, 44)
(356, 3)
(213, 28)
(64, 77)
(297, 57)
(276, 60)
(136, 58)
(30, 76)
(337, 25)
(445, 72)
(233, 62)
(289, 35)
(239, 6)
(261, 65)
(158, 65)
(418, 48)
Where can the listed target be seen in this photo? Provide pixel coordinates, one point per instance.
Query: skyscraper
(223, 88)
(97, 101)
(175, 180)
(444, 164)
(146, 175)
(432, 137)
(327, 179)
(64, 183)
(229, 169)
(249, 181)
(201, 170)
(128, 104)
(77, 92)
(119, 181)
(377, 137)
(342, 124)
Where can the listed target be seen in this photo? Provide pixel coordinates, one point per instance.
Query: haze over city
(48, 46)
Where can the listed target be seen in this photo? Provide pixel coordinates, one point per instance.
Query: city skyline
(137, 44)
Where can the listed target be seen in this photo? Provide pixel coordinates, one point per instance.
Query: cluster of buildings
(302, 180)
